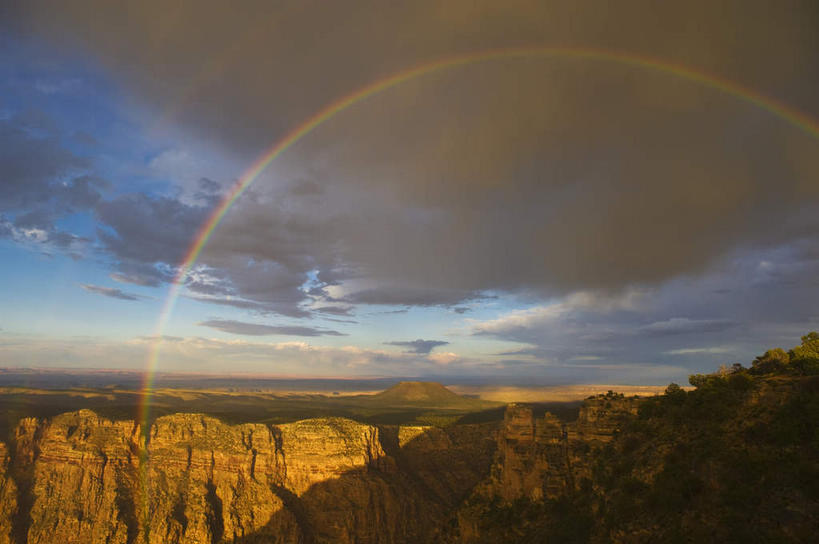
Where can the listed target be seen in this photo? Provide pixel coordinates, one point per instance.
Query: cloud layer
(551, 175)
(585, 212)
(257, 329)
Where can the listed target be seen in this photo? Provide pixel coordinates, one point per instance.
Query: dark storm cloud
(111, 292)
(547, 176)
(256, 329)
(421, 347)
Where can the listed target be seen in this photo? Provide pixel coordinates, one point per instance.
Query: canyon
(80, 477)
(191, 478)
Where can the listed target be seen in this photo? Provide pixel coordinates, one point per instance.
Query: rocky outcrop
(8, 497)
(194, 479)
(532, 459)
(544, 457)
(601, 417)
(82, 481)
(540, 458)
(206, 481)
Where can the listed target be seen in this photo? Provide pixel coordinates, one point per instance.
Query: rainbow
(776, 108)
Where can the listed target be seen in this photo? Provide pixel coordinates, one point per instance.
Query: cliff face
(541, 458)
(79, 482)
(8, 497)
(537, 459)
(191, 479)
(532, 457)
(734, 460)
(82, 478)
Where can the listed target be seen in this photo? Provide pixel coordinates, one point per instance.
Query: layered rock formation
(733, 460)
(545, 458)
(193, 479)
(80, 478)
(8, 497)
(541, 458)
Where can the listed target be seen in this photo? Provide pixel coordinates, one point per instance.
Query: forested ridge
(736, 459)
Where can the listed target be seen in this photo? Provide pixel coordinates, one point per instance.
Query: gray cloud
(419, 346)
(541, 177)
(306, 188)
(111, 292)
(253, 306)
(148, 236)
(41, 183)
(528, 174)
(209, 186)
(30, 164)
(683, 325)
(144, 274)
(145, 229)
(256, 329)
(334, 310)
(410, 296)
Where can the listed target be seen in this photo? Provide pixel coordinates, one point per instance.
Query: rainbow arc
(788, 114)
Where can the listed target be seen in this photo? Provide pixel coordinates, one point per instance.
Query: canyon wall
(82, 478)
(193, 479)
(8, 497)
(542, 457)
(539, 458)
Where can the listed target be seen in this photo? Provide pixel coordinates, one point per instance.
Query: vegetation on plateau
(734, 460)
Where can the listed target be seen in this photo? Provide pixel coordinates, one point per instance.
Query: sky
(522, 219)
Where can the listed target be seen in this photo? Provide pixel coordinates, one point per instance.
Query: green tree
(773, 360)
(697, 380)
(673, 389)
(809, 348)
(806, 356)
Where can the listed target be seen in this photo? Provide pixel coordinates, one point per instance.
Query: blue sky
(523, 222)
